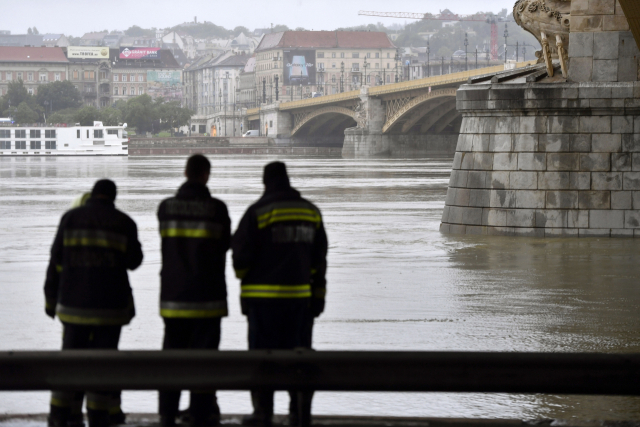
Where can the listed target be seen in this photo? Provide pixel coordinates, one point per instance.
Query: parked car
(250, 133)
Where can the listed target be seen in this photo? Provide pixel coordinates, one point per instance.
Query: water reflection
(395, 282)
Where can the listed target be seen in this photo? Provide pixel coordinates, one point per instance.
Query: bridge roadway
(408, 118)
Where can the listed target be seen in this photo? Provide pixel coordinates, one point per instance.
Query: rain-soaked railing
(306, 370)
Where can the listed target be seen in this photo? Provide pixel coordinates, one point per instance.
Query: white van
(249, 133)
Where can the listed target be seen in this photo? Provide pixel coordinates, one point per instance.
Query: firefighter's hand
(51, 312)
(317, 306)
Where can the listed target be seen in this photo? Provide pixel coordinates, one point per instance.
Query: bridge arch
(302, 119)
(409, 111)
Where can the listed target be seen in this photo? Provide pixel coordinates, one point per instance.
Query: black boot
(256, 420)
(98, 418)
(167, 421)
(58, 416)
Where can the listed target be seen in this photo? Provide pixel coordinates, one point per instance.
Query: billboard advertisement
(299, 67)
(84, 52)
(165, 84)
(139, 52)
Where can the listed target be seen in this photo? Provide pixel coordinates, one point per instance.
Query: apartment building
(324, 61)
(33, 65)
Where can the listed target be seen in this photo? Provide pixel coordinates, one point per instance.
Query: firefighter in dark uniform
(279, 252)
(87, 287)
(196, 233)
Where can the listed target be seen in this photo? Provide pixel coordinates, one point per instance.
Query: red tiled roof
(32, 54)
(326, 39)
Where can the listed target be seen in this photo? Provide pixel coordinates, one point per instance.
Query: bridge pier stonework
(556, 151)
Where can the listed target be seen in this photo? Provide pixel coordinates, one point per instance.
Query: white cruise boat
(96, 140)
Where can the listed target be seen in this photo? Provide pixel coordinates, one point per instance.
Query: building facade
(323, 61)
(33, 65)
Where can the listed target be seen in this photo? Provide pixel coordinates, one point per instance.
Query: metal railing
(555, 373)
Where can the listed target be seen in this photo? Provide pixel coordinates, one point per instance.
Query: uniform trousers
(66, 406)
(283, 325)
(200, 334)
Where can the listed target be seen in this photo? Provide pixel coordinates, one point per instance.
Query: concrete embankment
(179, 146)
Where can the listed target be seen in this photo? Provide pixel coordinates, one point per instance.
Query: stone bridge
(411, 118)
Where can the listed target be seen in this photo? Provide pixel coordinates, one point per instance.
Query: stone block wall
(359, 143)
(547, 160)
(601, 47)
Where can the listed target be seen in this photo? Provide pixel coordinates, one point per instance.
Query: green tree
(61, 95)
(25, 114)
(111, 116)
(35, 30)
(240, 29)
(172, 115)
(63, 116)
(141, 113)
(17, 93)
(86, 116)
(29, 31)
(279, 28)
(136, 31)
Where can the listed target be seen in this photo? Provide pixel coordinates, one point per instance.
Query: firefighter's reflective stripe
(240, 273)
(95, 238)
(114, 404)
(58, 268)
(98, 401)
(319, 293)
(287, 211)
(84, 316)
(191, 229)
(176, 309)
(276, 291)
(50, 303)
(62, 399)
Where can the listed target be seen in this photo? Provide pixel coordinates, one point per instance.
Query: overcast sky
(76, 17)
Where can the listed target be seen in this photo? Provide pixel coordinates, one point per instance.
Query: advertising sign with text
(139, 52)
(165, 84)
(84, 52)
(299, 67)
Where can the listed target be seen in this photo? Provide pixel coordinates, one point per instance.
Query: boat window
(34, 133)
(98, 133)
(35, 145)
(21, 145)
(5, 133)
(5, 145)
(50, 133)
(21, 133)
(98, 142)
(87, 133)
(112, 131)
(78, 133)
(50, 145)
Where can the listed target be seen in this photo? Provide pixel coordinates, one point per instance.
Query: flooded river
(394, 282)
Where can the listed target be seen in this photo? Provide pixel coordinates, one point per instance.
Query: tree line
(60, 102)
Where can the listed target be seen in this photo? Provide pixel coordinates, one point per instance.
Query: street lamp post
(524, 52)
(397, 58)
(506, 34)
(342, 77)
(365, 70)
(277, 91)
(264, 90)
(442, 67)
(476, 58)
(428, 63)
(466, 43)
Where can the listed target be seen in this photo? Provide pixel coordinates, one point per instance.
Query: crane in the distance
(448, 16)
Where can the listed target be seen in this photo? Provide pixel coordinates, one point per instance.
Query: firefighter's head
(198, 169)
(275, 175)
(104, 189)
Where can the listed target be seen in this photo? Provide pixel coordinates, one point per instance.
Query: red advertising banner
(139, 52)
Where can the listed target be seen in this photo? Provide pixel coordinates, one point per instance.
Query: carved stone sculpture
(547, 20)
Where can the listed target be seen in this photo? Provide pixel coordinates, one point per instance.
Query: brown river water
(394, 282)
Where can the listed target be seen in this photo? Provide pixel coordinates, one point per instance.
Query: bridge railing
(556, 373)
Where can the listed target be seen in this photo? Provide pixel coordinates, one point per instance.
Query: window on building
(124, 77)
(21, 133)
(56, 77)
(30, 91)
(5, 133)
(368, 55)
(341, 54)
(355, 55)
(34, 133)
(388, 55)
(115, 77)
(50, 145)
(9, 76)
(43, 77)
(140, 77)
(124, 90)
(389, 65)
(369, 79)
(388, 79)
(78, 133)
(333, 65)
(50, 133)
(132, 91)
(103, 75)
(21, 145)
(320, 54)
(377, 55)
(89, 75)
(333, 79)
(5, 145)
(75, 74)
(355, 67)
(29, 77)
(140, 91)
(115, 90)
(98, 133)
(20, 76)
(333, 54)
(34, 145)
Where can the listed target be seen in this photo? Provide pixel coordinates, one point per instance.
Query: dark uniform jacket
(280, 249)
(196, 233)
(87, 280)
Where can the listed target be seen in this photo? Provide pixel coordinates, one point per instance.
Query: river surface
(394, 282)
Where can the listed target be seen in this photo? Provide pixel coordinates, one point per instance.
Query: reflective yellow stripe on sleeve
(190, 229)
(276, 291)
